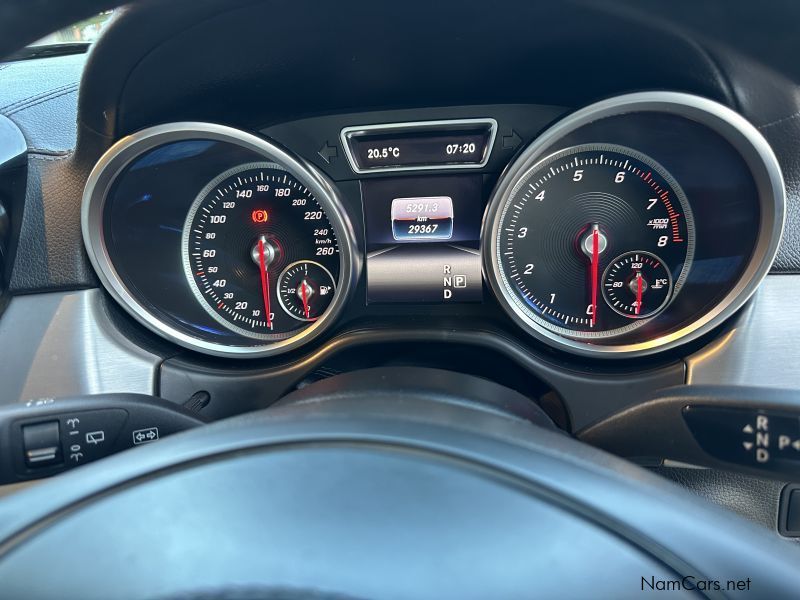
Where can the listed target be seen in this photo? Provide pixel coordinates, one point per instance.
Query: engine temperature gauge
(305, 289)
(637, 285)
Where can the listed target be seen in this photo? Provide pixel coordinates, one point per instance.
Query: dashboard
(220, 213)
(625, 228)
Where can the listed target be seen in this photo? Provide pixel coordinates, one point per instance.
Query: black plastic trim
(589, 394)
(783, 513)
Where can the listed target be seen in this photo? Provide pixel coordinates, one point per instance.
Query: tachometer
(594, 240)
(634, 225)
(245, 235)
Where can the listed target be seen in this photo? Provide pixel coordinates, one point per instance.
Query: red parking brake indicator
(259, 216)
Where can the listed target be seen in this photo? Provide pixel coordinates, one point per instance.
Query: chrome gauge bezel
(129, 148)
(731, 126)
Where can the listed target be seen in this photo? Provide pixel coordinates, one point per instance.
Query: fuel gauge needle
(305, 297)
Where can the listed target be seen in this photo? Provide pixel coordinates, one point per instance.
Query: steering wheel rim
(357, 437)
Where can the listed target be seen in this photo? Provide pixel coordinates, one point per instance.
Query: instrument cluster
(626, 228)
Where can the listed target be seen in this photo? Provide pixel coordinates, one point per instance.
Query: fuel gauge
(637, 285)
(305, 289)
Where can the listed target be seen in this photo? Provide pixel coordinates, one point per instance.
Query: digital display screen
(426, 145)
(417, 150)
(429, 218)
(423, 239)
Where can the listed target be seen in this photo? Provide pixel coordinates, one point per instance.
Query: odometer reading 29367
(260, 253)
(594, 241)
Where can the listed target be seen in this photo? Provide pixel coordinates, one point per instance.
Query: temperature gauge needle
(305, 297)
(638, 292)
(264, 281)
(595, 267)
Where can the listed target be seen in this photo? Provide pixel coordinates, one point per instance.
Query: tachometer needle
(305, 297)
(595, 268)
(638, 292)
(264, 281)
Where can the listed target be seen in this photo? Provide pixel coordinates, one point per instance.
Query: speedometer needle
(595, 267)
(264, 281)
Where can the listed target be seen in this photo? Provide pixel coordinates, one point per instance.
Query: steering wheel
(401, 483)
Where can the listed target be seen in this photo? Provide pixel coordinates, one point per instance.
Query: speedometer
(220, 240)
(245, 231)
(589, 210)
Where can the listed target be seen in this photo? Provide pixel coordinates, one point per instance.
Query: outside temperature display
(430, 145)
(383, 153)
(420, 149)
